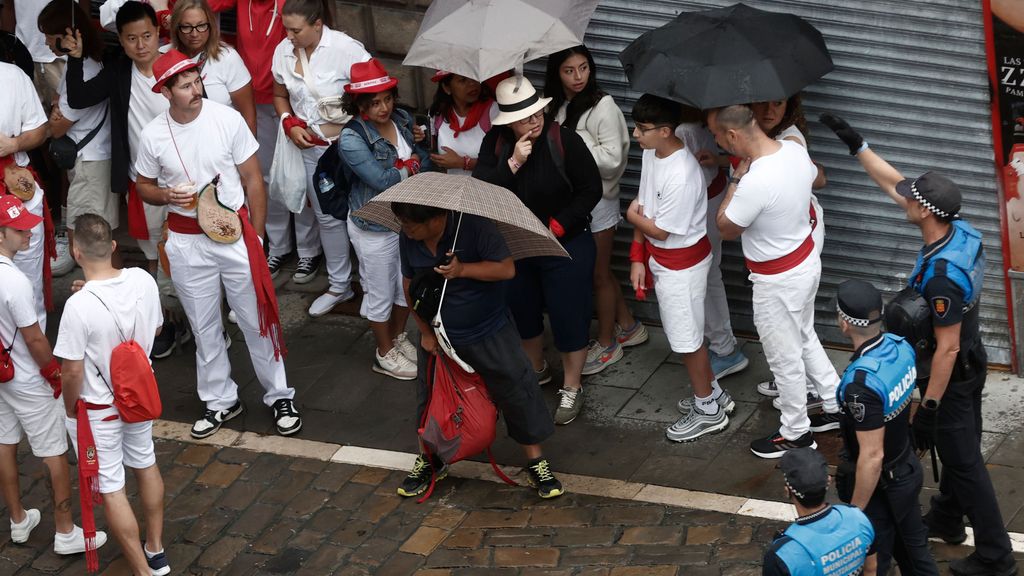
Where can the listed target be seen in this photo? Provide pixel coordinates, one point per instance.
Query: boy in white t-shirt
(111, 307)
(28, 400)
(671, 249)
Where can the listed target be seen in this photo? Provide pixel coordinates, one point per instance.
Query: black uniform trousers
(965, 488)
(895, 514)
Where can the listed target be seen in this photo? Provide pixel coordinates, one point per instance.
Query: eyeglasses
(200, 28)
(535, 117)
(642, 130)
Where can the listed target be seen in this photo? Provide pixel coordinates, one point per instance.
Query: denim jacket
(373, 166)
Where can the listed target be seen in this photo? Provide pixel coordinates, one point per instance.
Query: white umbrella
(482, 38)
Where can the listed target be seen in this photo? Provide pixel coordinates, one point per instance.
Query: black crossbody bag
(64, 150)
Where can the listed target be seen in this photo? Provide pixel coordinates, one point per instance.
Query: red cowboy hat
(369, 77)
(168, 66)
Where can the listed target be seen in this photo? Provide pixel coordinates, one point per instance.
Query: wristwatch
(734, 180)
(930, 403)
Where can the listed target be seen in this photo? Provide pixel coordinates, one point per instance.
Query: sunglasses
(200, 28)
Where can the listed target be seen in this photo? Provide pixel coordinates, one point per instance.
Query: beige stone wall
(387, 29)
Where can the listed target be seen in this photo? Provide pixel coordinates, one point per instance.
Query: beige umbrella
(525, 235)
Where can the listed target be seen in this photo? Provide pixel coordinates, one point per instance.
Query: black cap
(859, 303)
(805, 471)
(934, 191)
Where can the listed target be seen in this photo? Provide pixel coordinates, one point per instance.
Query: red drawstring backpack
(6, 362)
(136, 395)
(460, 419)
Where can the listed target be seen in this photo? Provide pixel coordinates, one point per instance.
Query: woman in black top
(553, 172)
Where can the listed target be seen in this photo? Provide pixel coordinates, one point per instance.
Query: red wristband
(292, 121)
(556, 228)
(637, 253)
(413, 166)
(51, 372)
(465, 163)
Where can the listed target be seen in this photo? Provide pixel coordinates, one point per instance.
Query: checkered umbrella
(525, 235)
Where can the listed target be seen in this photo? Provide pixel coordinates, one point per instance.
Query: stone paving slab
(232, 511)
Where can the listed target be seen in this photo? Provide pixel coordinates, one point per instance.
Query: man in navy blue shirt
(476, 263)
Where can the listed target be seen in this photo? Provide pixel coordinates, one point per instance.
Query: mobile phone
(61, 48)
(446, 260)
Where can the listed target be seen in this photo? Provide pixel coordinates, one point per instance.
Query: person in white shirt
(89, 190)
(671, 252)
(23, 127)
(110, 307)
(767, 203)
(195, 143)
(329, 55)
(49, 68)
(460, 117)
(29, 405)
(578, 103)
(194, 32)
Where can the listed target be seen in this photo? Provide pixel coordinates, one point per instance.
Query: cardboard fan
(219, 223)
(19, 181)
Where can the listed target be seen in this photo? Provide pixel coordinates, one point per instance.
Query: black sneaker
(824, 421)
(165, 341)
(274, 263)
(306, 269)
(418, 480)
(972, 565)
(212, 420)
(158, 564)
(538, 474)
(776, 445)
(286, 417)
(955, 536)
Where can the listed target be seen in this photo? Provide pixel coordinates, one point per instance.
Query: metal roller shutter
(911, 76)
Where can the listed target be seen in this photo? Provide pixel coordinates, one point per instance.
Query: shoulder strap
(305, 73)
(113, 317)
(557, 150)
(92, 133)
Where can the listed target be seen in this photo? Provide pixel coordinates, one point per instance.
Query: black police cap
(859, 303)
(938, 194)
(805, 471)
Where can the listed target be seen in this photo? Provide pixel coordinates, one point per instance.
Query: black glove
(848, 135)
(925, 426)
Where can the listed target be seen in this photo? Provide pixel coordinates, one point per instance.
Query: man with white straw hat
(550, 168)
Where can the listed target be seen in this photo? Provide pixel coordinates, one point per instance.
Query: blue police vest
(891, 372)
(965, 263)
(835, 545)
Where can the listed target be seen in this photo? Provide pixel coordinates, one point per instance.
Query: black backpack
(332, 179)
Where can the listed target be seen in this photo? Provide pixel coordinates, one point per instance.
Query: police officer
(884, 475)
(825, 539)
(951, 362)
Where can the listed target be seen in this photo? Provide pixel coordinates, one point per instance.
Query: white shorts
(89, 192)
(117, 445)
(681, 303)
(31, 410)
(605, 215)
(379, 272)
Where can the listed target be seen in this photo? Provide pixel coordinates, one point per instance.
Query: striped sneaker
(599, 357)
(634, 336)
(724, 401)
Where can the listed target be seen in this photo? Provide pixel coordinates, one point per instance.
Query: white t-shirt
(792, 132)
(18, 310)
(89, 330)
(216, 142)
(145, 105)
(331, 62)
(468, 142)
(87, 119)
(403, 149)
(771, 202)
(21, 110)
(673, 193)
(222, 76)
(697, 138)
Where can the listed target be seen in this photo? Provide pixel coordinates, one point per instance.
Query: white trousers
(717, 323)
(818, 234)
(155, 218)
(379, 272)
(199, 268)
(333, 232)
(306, 241)
(30, 260)
(784, 318)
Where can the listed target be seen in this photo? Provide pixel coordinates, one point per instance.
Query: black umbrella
(723, 56)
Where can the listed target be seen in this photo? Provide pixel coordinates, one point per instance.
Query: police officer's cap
(859, 303)
(934, 191)
(805, 471)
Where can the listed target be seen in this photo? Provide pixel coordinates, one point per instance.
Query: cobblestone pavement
(238, 512)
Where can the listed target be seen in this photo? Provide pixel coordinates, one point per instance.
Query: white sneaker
(394, 364)
(405, 346)
(64, 263)
(20, 532)
(74, 541)
(326, 302)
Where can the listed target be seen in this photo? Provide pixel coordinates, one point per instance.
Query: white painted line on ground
(607, 488)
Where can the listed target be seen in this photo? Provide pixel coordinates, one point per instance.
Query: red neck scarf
(476, 111)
